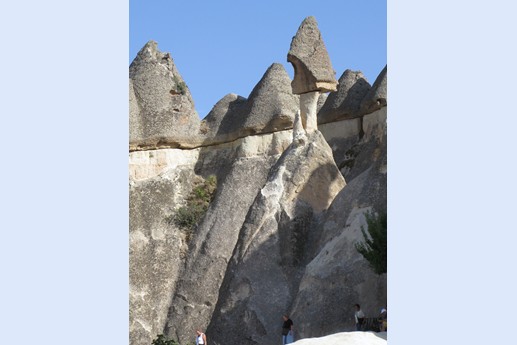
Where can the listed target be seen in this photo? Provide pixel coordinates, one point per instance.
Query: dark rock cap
(308, 54)
(270, 107)
(376, 98)
(346, 102)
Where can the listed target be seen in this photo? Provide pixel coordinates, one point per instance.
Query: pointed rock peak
(312, 67)
(377, 96)
(276, 69)
(222, 106)
(274, 78)
(150, 54)
(345, 103)
(308, 34)
(166, 116)
(351, 75)
(149, 50)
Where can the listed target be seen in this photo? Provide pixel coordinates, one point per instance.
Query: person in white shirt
(201, 338)
(359, 318)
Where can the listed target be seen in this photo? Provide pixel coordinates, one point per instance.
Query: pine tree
(374, 249)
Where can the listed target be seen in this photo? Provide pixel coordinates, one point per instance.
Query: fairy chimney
(313, 72)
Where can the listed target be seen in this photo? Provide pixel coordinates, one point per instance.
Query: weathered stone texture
(156, 248)
(346, 101)
(162, 111)
(338, 276)
(279, 235)
(270, 107)
(376, 97)
(212, 245)
(312, 67)
(269, 254)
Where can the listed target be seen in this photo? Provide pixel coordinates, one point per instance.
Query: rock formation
(312, 67)
(269, 255)
(313, 72)
(270, 107)
(345, 103)
(376, 97)
(161, 108)
(279, 235)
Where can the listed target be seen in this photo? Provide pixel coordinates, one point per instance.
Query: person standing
(201, 338)
(383, 320)
(287, 330)
(359, 318)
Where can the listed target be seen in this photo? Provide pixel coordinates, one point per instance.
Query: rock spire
(313, 72)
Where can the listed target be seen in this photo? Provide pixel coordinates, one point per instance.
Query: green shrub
(187, 217)
(181, 87)
(374, 249)
(162, 340)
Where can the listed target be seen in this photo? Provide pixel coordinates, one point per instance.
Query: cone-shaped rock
(346, 102)
(376, 97)
(161, 108)
(308, 54)
(215, 126)
(270, 107)
(271, 104)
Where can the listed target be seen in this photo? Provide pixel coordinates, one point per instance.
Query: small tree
(162, 340)
(374, 249)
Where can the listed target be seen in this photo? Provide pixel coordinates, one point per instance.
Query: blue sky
(226, 46)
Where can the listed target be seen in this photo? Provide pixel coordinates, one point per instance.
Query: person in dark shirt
(287, 330)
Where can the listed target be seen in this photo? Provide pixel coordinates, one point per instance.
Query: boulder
(312, 67)
(376, 97)
(162, 112)
(346, 101)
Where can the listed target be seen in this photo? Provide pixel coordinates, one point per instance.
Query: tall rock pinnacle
(308, 54)
(313, 72)
(161, 108)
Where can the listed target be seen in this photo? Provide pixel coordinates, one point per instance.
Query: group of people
(288, 326)
(359, 319)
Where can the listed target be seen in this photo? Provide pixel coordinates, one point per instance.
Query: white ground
(347, 338)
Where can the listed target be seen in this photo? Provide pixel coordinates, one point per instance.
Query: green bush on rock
(187, 217)
(374, 249)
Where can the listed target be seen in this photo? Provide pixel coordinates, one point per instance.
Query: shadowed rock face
(270, 107)
(312, 67)
(337, 276)
(376, 97)
(268, 259)
(346, 101)
(161, 108)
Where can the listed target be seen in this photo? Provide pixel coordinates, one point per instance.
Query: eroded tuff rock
(156, 248)
(279, 235)
(312, 67)
(376, 97)
(162, 112)
(338, 277)
(269, 255)
(345, 103)
(197, 289)
(270, 107)
(160, 180)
